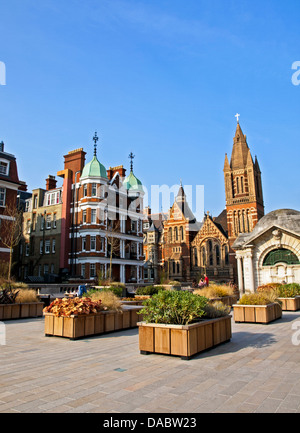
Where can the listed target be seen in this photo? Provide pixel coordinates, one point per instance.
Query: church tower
(243, 188)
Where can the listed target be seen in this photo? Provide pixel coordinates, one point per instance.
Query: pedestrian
(201, 283)
(206, 280)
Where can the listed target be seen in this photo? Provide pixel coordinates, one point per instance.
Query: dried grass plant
(26, 295)
(109, 301)
(215, 291)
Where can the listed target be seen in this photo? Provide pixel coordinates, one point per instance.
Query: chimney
(1, 146)
(50, 182)
(75, 161)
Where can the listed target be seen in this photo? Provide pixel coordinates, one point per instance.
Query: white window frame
(47, 246)
(2, 194)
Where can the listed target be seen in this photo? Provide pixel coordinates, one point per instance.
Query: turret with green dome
(94, 168)
(131, 183)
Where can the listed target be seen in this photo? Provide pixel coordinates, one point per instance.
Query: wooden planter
(75, 327)
(290, 304)
(257, 313)
(183, 340)
(21, 311)
(227, 300)
(133, 302)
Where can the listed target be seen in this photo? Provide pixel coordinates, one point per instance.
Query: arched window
(178, 268)
(237, 185)
(242, 184)
(226, 255)
(210, 253)
(195, 257)
(281, 256)
(181, 234)
(174, 269)
(170, 234)
(176, 234)
(203, 257)
(217, 255)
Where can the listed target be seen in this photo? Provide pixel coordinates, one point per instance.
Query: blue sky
(160, 78)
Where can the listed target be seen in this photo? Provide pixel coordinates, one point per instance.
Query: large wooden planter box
(257, 313)
(21, 311)
(183, 340)
(133, 302)
(227, 300)
(75, 327)
(290, 304)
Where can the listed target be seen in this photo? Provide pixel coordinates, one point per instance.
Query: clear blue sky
(160, 78)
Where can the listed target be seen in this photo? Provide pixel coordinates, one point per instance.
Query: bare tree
(113, 241)
(11, 231)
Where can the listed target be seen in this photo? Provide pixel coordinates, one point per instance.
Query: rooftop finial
(131, 156)
(238, 117)
(95, 138)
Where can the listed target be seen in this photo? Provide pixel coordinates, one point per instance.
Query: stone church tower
(243, 188)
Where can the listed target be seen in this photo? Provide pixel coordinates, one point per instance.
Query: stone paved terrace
(257, 371)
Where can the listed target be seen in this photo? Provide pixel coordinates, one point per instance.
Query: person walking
(206, 280)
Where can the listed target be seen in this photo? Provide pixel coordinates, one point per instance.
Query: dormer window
(4, 168)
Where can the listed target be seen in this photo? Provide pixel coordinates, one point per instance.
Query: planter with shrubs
(182, 324)
(287, 294)
(20, 303)
(261, 307)
(81, 317)
(216, 293)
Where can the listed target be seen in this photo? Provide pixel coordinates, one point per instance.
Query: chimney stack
(50, 182)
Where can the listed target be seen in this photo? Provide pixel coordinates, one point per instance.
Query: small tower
(243, 188)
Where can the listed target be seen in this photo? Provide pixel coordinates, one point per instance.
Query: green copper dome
(132, 183)
(94, 169)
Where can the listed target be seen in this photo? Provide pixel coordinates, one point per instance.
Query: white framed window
(53, 246)
(46, 269)
(83, 270)
(102, 244)
(40, 270)
(93, 216)
(84, 243)
(54, 221)
(92, 270)
(94, 189)
(28, 226)
(2, 196)
(42, 222)
(27, 249)
(41, 247)
(84, 217)
(35, 202)
(48, 222)
(47, 246)
(85, 190)
(93, 243)
(4, 168)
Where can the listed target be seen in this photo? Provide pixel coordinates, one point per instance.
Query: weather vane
(131, 156)
(95, 138)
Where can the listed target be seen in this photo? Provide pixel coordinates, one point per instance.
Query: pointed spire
(226, 163)
(240, 149)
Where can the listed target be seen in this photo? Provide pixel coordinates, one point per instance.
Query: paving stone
(257, 371)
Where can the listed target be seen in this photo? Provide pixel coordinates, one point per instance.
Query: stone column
(251, 274)
(240, 275)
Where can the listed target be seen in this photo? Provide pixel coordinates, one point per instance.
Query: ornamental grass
(109, 301)
(215, 291)
(255, 299)
(27, 296)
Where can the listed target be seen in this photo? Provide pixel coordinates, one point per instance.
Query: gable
(209, 230)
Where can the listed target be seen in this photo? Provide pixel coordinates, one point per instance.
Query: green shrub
(174, 308)
(149, 290)
(289, 290)
(118, 291)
